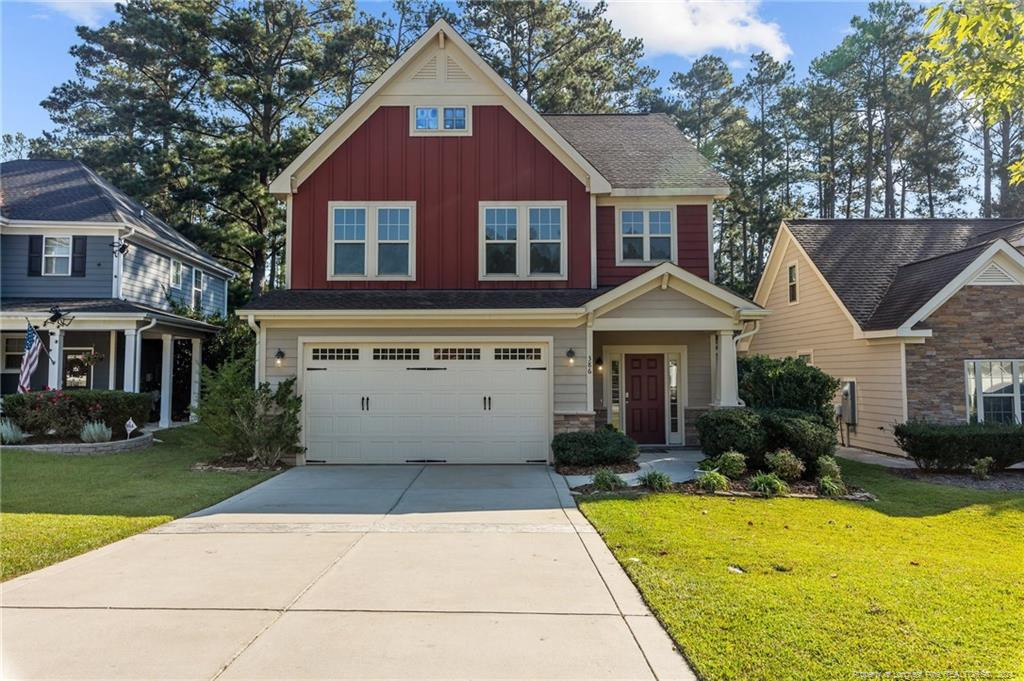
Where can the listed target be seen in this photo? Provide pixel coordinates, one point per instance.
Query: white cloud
(88, 12)
(694, 27)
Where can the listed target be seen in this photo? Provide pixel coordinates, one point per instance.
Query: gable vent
(455, 72)
(994, 275)
(428, 71)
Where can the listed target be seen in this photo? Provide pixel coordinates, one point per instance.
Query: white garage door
(452, 402)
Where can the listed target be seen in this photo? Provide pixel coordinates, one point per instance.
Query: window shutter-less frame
(78, 256)
(35, 256)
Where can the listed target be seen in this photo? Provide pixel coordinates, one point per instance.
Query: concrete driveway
(348, 572)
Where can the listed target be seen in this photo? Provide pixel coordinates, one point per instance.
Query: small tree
(260, 423)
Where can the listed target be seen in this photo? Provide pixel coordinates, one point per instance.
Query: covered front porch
(109, 345)
(663, 351)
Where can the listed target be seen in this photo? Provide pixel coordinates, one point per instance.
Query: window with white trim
(440, 120)
(523, 240)
(645, 235)
(177, 273)
(371, 240)
(994, 390)
(56, 256)
(13, 351)
(198, 281)
(791, 283)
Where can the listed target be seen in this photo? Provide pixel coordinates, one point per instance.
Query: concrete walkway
(348, 572)
(680, 465)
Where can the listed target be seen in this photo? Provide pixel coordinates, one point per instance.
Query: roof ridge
(102, 190)
(1019, 221)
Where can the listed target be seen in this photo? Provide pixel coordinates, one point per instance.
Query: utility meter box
(848, 407)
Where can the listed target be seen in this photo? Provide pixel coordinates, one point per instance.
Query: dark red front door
(645, 410)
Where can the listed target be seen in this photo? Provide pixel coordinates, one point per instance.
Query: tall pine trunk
(986, 146)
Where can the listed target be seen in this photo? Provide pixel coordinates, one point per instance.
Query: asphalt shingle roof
(73, 306)
(885, 270)
(69, 191)
(423, 299)
(638, 150)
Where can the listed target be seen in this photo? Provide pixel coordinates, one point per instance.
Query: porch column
(728, 384)
(197, 363)
(130, 385)
(166, 377)
(55, 377)
(112, 362)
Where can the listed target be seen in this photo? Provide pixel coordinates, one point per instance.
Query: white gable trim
(1009, 256)
(336, 133)
(669, 275)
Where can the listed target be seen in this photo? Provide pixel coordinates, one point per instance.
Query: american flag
(33, 344)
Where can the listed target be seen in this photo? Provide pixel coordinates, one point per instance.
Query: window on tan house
(994, 390)
(791, 282)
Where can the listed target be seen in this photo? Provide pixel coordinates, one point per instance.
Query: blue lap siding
(16, 283)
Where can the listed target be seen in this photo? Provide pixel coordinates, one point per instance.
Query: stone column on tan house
(573, 422)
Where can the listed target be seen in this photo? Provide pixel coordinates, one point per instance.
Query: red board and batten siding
(692, 242)
(447, 177)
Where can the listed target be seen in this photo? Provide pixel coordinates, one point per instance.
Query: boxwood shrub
(804, 435)
(955, 447)
(788, 383)
(755, 432)
(593, 448)
(65, 412)
(736, 430)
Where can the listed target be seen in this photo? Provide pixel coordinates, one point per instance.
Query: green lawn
(928, 579)
(53, 507)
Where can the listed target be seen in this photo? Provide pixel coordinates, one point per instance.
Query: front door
(645, 406)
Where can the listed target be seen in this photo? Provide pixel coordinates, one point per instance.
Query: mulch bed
(630, 467)
(232, 463)
(802, 489)
(1004, 481)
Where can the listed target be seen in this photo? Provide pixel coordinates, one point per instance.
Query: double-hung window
(177, 273)
(371, 240)
(198, 280)
(645, 235)
(994, 390)
(523, 240)
(56, 256)
(440, 120)
(791, 283)
(13, 351)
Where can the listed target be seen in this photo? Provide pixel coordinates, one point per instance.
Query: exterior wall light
(278, 357)
(571, 354)
(599, 363)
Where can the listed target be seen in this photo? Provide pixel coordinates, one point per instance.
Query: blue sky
(674, 32)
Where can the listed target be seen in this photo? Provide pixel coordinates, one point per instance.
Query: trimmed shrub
(712, 481)
(10, 433)
(605, 479)
(593, 448)
(658, 481)
(95, 431)
(730, 464)
(981, 469)
(789, 383)
(64, 413)
(804, 437)
(829, 486)
(785, 465)
(261, 423)
(956, 447)
(726, 430)
(828, 467)
(768, 484)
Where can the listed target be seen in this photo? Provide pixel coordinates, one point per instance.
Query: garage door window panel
(371, 241)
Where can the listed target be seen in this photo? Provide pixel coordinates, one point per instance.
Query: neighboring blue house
(70, 239)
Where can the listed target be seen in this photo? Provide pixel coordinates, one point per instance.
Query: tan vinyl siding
(817, 324)
(663, 303)
(698, 359)
(570, 382)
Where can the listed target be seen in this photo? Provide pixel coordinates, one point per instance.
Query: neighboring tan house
(467, 277)
(924, 317)
(72, 242)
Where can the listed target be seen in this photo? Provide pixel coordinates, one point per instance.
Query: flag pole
(41, 343)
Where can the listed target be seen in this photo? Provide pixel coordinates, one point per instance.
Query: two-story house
(467, 277)
(74, 246)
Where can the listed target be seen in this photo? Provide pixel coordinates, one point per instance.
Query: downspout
(251, 319)
(138, 352)
(738, 338)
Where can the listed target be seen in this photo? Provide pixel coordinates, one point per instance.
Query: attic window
(440, 120)
(791, 282)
